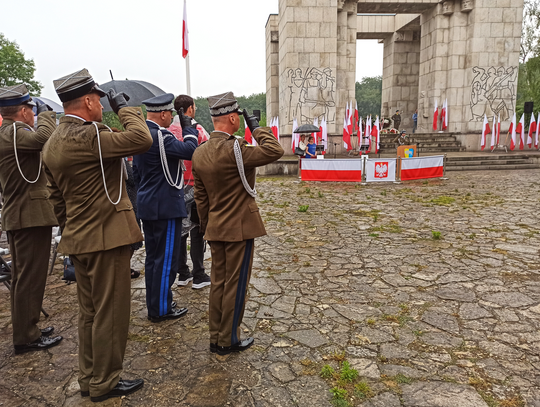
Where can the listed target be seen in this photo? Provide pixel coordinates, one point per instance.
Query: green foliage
(530, 38)
(368, 94)
(362, 390)
(303, 208)
(337, 393)
(111, 119)
(348, 374)
(15, 68)
(327, 372)
(435, 235)
(402, 379)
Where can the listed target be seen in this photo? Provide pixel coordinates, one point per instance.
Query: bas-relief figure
(422, 105)
(493, 92)
(448, 7)
(467, 5)
(310, 95)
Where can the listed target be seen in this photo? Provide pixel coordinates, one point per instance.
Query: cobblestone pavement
(430, 290)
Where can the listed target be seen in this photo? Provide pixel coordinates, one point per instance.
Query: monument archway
(463, 51)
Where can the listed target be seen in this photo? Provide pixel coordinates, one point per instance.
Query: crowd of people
(74, 175)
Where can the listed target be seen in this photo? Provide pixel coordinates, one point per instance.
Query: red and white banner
(436, 116)
(444, 115)
(247, 134)
(422, 167)
(532, 130)
(375, 132)
(324, 133)
(535, 139)
(331, 170)
(346, 135)
(185, 40)
(356, 118)
(383, 169)
(295, 136)
(521, 130)
(368, 133)
(494, 133)
(512, 131)
(485, 131)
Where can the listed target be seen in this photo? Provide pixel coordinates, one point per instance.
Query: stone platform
(359, 276)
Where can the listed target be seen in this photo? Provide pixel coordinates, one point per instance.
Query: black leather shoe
(173, 304)
(123, 388)
(173, 314)
(85, 393)
(47, 331)
(40, 344)
(213, 347)
(239, 347)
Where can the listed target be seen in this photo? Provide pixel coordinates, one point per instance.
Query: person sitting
(302, 145)
(311, 150)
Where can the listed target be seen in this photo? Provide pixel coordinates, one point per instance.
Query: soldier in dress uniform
(160, 204)
(27, 215)
(86, 173)
(224, 172)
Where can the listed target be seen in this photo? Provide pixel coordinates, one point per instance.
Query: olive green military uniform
(230, 220)
(27, 217)
(97, 235)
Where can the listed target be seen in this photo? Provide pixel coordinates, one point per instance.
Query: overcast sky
(143, 40)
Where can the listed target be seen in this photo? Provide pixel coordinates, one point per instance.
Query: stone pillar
(272, 66)
(401, 63)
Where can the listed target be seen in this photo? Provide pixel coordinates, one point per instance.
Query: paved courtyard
(429, 289)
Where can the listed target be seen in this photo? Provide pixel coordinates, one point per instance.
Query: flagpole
(188, 76)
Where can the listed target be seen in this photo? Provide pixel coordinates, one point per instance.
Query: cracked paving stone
(456, 293)
(441, 394)
(366, 368)
(282, 372)
(473, 311)
(308, 337)
(265, 285)
(442, 321)
(383, 400)
(394, 370)
(509, 299)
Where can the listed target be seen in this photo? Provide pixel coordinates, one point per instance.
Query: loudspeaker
(257, 114)
(528, 107)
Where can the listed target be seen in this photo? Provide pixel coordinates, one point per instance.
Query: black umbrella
(137, 91)
(54, 105)
(307, 128)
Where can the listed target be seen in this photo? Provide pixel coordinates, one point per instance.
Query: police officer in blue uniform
(160, 201)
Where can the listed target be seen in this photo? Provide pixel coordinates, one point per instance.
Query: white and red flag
(350, 120)
(185, 40)
(422, 167)
(485, 131)
(332, 170)
(295, 136)
(532, 130)
(324, 134)
(274, 125)
(494, 133)
(512, 131)
(277, 127)
(380, 169)
(360, 132)
(317, 135)
(346, 134)
(436, 116)
(444, 115)
(247, 135)
(499, 129)
(356, 118)
(536, 137)
(368, 133)
(521, 130)
(375, 133)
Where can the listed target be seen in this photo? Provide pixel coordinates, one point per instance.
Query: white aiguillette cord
(123, 170)
(165, 165)
(17, 157)
(240, 165)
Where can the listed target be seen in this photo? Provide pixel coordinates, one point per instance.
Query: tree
(15, 68)
(530, 35)
(368, 94)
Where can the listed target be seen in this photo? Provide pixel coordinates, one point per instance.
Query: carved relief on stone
(493, 92)
(340, 4)
(274, 36)
(422, 105)
(467, 5)
(384, 110)
(401, 36)
(448, 7)
(310, 94)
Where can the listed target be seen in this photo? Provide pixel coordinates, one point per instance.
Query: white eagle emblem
(381, 170)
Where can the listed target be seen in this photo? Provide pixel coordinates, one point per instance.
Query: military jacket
(89, 220)
(226, 211)
(25, 204)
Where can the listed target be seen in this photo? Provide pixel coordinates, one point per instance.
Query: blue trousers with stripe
(231, 271)
(162, 239)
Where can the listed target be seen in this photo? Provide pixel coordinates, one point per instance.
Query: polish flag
(350, 120)
(499, 129)
(535, 139)
(494, 133)
(485, 131)
(185, 40)
(375, 133)
(332, 170)
(512, 131)
(277, 127)
(532, 129)
(247, 134)
(520, 129)
(324, 134)
(360, 133)
(368, 133)
(346, 135)
(422, 167)
(356, 117)
(435, 116)
(316, 136)
(444, 115)
(295, 136)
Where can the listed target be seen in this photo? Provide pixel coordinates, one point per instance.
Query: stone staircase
(426, 143)
(491, 162)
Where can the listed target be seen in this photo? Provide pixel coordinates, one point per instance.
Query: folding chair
(5, 274)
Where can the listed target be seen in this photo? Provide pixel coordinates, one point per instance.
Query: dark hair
(8, 112)
(183, 101)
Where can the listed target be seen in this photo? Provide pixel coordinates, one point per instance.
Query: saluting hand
(251, 121)
(117, 100)
(185, 121)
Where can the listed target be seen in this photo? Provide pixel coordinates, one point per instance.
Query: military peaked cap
(77, 84)
(223, 104)
(160, 103)
(15, 95)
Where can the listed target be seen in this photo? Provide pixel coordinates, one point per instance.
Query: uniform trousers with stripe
(162, 239)
(30, 249)
(231, 271)
(104, 296)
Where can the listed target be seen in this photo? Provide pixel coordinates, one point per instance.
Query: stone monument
(464, 51)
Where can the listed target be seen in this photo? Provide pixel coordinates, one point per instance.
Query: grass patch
(345, 387)
(139, 338)
(443, 200)
(436, 235)
(303, 208)
(402, 379)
